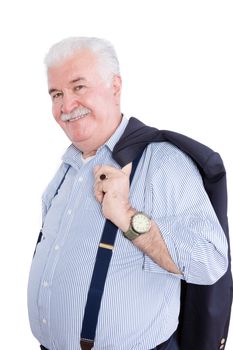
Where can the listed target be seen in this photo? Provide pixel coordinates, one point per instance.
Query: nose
(69, 103)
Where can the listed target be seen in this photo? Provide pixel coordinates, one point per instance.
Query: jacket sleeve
(187, 221)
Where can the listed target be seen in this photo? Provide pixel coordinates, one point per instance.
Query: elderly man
(166, 227)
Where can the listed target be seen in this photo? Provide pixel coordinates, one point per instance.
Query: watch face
(141, 223)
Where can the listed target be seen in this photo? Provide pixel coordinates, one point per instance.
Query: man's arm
(185, 238)
(113, 194)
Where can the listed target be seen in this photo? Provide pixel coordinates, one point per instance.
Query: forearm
(153, 245)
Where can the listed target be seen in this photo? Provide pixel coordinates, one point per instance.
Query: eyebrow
(52, 90)
(76, 80)
(71, 82)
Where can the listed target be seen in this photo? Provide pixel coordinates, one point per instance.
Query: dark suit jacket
(205, 310)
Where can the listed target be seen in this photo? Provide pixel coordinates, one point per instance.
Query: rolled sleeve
(197, 246)
(187, 221)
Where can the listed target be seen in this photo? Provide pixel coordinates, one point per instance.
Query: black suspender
(57, 189)
(96, 289)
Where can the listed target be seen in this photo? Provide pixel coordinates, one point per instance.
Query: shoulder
(162, 153)
(167, 163)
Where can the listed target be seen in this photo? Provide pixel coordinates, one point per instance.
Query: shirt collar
(72, 155)
(110, 143)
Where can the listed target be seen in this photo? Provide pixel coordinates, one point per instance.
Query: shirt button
(45, 284)
(56, 247)
(80, 179)
(223, 340)
(44, 321)
(69, 212)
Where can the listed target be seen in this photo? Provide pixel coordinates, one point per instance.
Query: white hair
(103, 49)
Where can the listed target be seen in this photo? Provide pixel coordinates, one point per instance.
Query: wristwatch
(140, 223)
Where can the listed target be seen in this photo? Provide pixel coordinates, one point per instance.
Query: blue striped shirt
(141, 300)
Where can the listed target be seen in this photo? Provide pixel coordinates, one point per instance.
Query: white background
(176, 62)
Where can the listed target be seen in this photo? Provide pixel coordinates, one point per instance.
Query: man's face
(83, 104)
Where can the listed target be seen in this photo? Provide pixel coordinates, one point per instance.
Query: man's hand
(113, 193)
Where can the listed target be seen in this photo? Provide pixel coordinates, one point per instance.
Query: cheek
(56, 112)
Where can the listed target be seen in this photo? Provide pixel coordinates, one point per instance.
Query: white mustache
(77, 113)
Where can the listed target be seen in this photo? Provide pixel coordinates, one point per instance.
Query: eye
(56, 95)
(79, 87)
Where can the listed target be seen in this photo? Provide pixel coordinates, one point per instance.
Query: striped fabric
(140, 305)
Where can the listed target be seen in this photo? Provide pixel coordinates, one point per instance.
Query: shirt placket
(55, 253)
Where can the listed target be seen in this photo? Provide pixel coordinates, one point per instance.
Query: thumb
(97, 168)
(127, 169)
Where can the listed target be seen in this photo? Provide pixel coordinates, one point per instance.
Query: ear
(116, 84)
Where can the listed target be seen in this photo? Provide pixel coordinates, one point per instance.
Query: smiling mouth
(75, 115)
(77, 118)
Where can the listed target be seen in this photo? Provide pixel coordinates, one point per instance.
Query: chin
(78, 134)
(79, 139)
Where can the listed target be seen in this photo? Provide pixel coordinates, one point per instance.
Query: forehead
(82, 64)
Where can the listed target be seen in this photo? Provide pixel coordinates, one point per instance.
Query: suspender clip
(106, 246)
(86, 344)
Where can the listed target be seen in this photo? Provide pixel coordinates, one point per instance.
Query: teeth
(76, 118)
(76, 114)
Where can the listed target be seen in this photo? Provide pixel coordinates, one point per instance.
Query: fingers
(104, 169)
(108, 178)
(110, 171)
(127, 169)
(98, 191)
(96, 168)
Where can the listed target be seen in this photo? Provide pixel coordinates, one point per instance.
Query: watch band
(132, 233)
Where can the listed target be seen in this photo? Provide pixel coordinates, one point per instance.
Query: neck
(88, 154)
